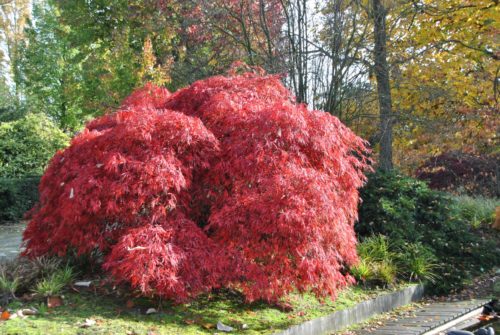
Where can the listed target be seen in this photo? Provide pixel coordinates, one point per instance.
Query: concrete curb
(356, 314)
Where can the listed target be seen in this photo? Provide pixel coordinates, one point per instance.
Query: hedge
(17, 195)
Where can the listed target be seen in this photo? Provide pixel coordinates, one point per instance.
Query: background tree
(8, 102)
(240, 30)
(110, 39)
(13, 17)
(381, 70)
(346, 91)
(50, 71)
(444, 80)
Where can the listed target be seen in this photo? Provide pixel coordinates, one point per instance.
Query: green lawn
(199, 317)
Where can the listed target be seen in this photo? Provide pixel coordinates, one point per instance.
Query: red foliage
(217, 22)
(457, 171)
(149, 96)
(124, 170)
(226, 183)
(286, 184)
(175, 259)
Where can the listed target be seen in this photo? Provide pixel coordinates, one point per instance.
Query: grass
(8, 286)
(476, 210)
(199, 317)
(377, 261)
(53, 284)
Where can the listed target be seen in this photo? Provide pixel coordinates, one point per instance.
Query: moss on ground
(198, 317)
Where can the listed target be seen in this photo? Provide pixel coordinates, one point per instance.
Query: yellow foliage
(150, 71)
(445, 64)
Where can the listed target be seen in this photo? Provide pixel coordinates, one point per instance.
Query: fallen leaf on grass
(5, 315)
(26, 312)
(189, 321)
(54, 301)
(208, 325)
(83, 283)
(235, 322)
(223, 327)
(151, 311)
(88, 323)
(18, 314)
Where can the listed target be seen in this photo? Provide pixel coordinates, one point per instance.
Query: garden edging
(358, 313)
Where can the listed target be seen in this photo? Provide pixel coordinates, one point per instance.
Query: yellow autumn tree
(150, 71)
(445, 68)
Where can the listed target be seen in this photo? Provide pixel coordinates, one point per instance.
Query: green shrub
(392, 206)
(27, 144)
(408, 211)
(17, 195)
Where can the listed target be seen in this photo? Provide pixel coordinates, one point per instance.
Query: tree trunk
(383, 85)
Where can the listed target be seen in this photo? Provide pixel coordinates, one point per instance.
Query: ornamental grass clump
(226, 183)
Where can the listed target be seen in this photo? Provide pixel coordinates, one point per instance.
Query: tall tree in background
(381, 69)
(150, 71)
(297, 46)
(50, 70)
(324, 46)
(445, 81)
(110, 39)
(343, 41)
(247, 30)
(8, 111)
(13, 17)
(81, 59)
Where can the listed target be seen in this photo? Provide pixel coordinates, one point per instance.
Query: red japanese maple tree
(226, 183)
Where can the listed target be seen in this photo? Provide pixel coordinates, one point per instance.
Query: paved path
(425, 318)
(10, 239)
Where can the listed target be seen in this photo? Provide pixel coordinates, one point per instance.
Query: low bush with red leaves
(460, 172)
(226, 183)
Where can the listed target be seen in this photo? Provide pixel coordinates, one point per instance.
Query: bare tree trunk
(383, 85)
(296, 28)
